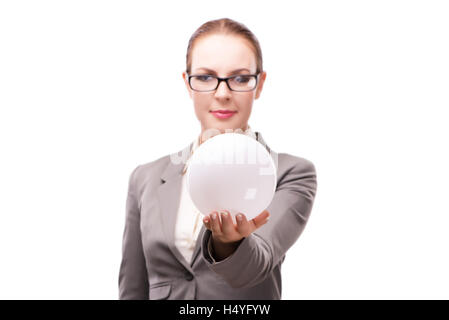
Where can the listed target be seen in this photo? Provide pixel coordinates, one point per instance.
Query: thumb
(261, 219)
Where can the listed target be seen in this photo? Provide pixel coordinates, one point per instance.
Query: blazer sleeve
(259, 253)
(133, 277)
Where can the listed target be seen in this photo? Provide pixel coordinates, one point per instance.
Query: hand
(226, 231)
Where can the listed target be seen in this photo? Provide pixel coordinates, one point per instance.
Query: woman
(167, 252)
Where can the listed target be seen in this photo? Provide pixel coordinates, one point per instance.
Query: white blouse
(189, 219)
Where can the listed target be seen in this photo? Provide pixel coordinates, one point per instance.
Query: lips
(223, 114)
(224, 111)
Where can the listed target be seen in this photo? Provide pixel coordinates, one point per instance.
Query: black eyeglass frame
(225, 80)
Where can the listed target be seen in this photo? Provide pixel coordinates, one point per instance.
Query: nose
(222, 89)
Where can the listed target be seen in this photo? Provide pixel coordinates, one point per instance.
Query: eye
(242, 79)
(204, 78)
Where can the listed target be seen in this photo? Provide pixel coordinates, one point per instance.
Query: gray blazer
(153, 268)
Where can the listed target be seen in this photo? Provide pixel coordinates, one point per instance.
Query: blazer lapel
(169, 196)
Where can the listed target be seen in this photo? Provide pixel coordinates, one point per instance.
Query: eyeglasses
(207, 82)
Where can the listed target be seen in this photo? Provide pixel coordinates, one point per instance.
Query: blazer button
(189, 277)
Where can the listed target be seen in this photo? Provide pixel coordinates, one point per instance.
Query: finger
(215, 223)
(206, 221)
(243, 226)
(227, 225)
(261, 219)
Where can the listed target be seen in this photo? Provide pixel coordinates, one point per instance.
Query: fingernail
(224, 214)
(214, 216)
(239, 217)
(206, 220)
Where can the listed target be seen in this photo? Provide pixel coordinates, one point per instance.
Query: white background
(90, 89)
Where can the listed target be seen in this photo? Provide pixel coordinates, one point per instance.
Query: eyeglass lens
(237, 83)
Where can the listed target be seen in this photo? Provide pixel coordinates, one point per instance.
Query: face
(222, 55)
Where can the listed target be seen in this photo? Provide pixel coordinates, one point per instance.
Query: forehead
(223, 54)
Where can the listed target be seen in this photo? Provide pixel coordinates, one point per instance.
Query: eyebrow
(232, 72)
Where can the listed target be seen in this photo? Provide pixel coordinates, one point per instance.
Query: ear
(186, 81)
(262, 77)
